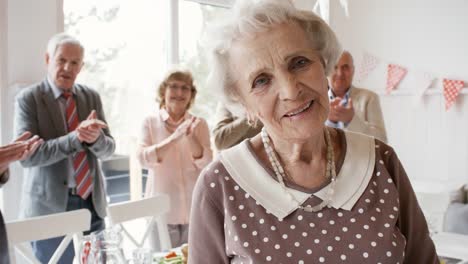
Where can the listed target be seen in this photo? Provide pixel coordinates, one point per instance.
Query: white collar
(352, 180)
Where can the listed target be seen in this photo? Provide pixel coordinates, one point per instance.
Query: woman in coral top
(174, 147)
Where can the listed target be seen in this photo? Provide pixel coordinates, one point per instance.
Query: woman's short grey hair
(250, 17)
(61, 39)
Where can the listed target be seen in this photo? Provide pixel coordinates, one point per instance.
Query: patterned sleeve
(206, 233)
(412, 223)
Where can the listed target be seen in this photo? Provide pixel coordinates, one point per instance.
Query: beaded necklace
(281, 174)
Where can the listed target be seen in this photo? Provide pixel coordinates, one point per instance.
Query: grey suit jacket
(45, 184)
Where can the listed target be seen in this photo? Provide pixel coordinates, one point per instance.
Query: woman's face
(177, 96)
(281, 80)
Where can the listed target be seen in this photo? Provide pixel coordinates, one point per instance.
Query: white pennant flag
(344, 5)
(322, 7)
(423, 80)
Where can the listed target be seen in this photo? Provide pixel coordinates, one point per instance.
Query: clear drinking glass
(107, 247)
(142, 256)
(85, 255)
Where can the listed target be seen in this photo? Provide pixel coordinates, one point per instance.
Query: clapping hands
(23, 147)
(339, 112)
(186, 128)
(89, 130)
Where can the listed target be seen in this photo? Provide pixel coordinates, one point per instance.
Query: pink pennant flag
(451, 90)
(395, 74)
(369, 63)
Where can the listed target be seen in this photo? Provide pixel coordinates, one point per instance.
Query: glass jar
(85, 256)
(106, 248)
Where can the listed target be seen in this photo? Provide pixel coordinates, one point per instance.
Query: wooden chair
(69, 224)
(155, 207)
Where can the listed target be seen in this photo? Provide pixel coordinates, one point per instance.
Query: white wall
(424, 36)
(305, 4)
(25, 25)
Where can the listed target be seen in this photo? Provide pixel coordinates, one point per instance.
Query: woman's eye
(260, 81)
(299, 62)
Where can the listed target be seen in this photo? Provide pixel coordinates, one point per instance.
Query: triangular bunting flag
(369, 63)
(451, 90)
(395, 74)
(423, 81)
(322, 7)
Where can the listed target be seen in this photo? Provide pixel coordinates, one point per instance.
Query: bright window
(127, 50)
(126, 56)
(193, 18)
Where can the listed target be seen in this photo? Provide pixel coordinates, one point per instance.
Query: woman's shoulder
(214, 172)
(383, 149)
(213, 180)
(355, 138)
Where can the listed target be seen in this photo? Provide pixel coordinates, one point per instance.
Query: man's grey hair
(61, 39)
(250, 17)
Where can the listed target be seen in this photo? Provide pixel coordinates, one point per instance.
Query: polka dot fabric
(367, 233)
(239, 230)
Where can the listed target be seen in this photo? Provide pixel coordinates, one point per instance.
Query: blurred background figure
(174, 147)
(20, 149)
(63, 173)
(353, 108)
(230, 130)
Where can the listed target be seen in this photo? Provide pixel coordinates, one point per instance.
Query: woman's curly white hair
(250, 17)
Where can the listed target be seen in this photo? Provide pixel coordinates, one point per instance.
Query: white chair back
(69, 224)
(155, 207)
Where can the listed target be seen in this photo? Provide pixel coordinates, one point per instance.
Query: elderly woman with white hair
(299, 192)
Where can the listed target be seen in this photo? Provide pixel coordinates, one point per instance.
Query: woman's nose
(289, 90)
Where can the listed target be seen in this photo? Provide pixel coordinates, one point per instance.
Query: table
(451, 245)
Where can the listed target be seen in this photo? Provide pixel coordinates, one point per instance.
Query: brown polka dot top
(385, 225)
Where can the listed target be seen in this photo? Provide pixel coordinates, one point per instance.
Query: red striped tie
(83, 176)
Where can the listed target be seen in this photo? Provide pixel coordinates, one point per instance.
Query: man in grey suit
(63, 174)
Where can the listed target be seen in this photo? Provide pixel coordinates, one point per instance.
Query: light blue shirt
(344, 102)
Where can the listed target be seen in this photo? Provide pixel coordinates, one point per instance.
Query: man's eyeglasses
(183, 88)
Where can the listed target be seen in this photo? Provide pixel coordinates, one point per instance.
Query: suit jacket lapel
(53, 108)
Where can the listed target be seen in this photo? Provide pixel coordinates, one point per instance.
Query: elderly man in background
(63, 174)
(20, 149)
(353, 108)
